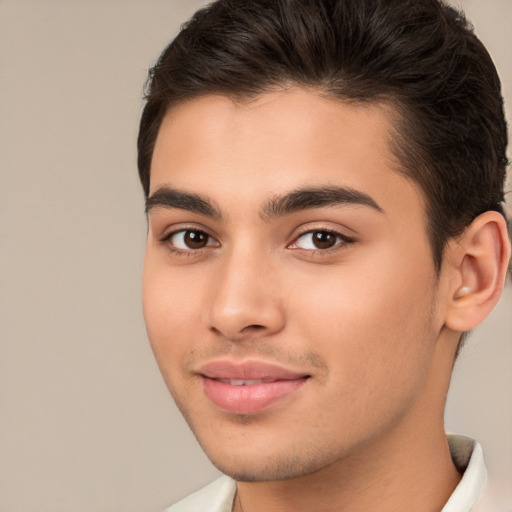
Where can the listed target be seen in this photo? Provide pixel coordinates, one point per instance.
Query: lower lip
(249, 399)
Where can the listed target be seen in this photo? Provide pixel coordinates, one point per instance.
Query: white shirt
(466, 454)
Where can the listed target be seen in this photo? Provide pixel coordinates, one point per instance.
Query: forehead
(276, 142)
(275, 120)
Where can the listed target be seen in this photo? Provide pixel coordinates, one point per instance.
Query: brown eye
(195, 239)
(191, 239)
(320, 239)
(323, 239)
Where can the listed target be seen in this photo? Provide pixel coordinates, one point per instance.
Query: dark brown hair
(420, 56)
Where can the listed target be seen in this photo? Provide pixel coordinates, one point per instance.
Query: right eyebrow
(166, 197)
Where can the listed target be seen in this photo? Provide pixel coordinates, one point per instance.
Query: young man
(324, 181)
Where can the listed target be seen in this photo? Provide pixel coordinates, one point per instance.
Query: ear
(478, 263)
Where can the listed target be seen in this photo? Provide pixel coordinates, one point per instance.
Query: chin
(270, 468)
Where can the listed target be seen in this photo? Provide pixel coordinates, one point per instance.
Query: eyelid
(171, 229)
(343, 239)
(166, 240)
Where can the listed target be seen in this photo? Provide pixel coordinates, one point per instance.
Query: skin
(368, 319)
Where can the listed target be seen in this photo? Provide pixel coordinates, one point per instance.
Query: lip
(248, 387)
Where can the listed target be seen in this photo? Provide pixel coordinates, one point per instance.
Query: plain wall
(86, 423)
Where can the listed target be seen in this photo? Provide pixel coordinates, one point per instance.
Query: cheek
(377, 346)
(369, 323)
(171, 308)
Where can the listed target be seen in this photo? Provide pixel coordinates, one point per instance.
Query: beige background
(85, 420)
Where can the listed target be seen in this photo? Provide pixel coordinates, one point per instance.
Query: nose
(245, 300)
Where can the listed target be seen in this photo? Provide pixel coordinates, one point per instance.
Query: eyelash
(166, 241)
(340, 243)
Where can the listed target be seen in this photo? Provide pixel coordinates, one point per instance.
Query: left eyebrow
(317, 197)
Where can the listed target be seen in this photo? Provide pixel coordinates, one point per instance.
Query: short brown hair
(421, 56)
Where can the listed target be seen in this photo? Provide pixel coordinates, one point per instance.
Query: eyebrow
(317, 197)
(166, 197)
(297, 200)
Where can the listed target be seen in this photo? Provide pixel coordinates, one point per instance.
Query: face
(288, 289)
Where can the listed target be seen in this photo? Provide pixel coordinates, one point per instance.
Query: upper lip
(248, 370)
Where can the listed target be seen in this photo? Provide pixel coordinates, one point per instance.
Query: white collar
(468, 457)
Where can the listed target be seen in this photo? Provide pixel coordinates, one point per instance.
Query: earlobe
(479, 263)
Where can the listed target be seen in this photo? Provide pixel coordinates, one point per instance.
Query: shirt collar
(468, 458)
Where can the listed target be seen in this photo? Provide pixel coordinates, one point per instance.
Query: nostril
(253, 327)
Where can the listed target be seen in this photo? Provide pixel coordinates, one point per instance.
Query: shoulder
(217, 496)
